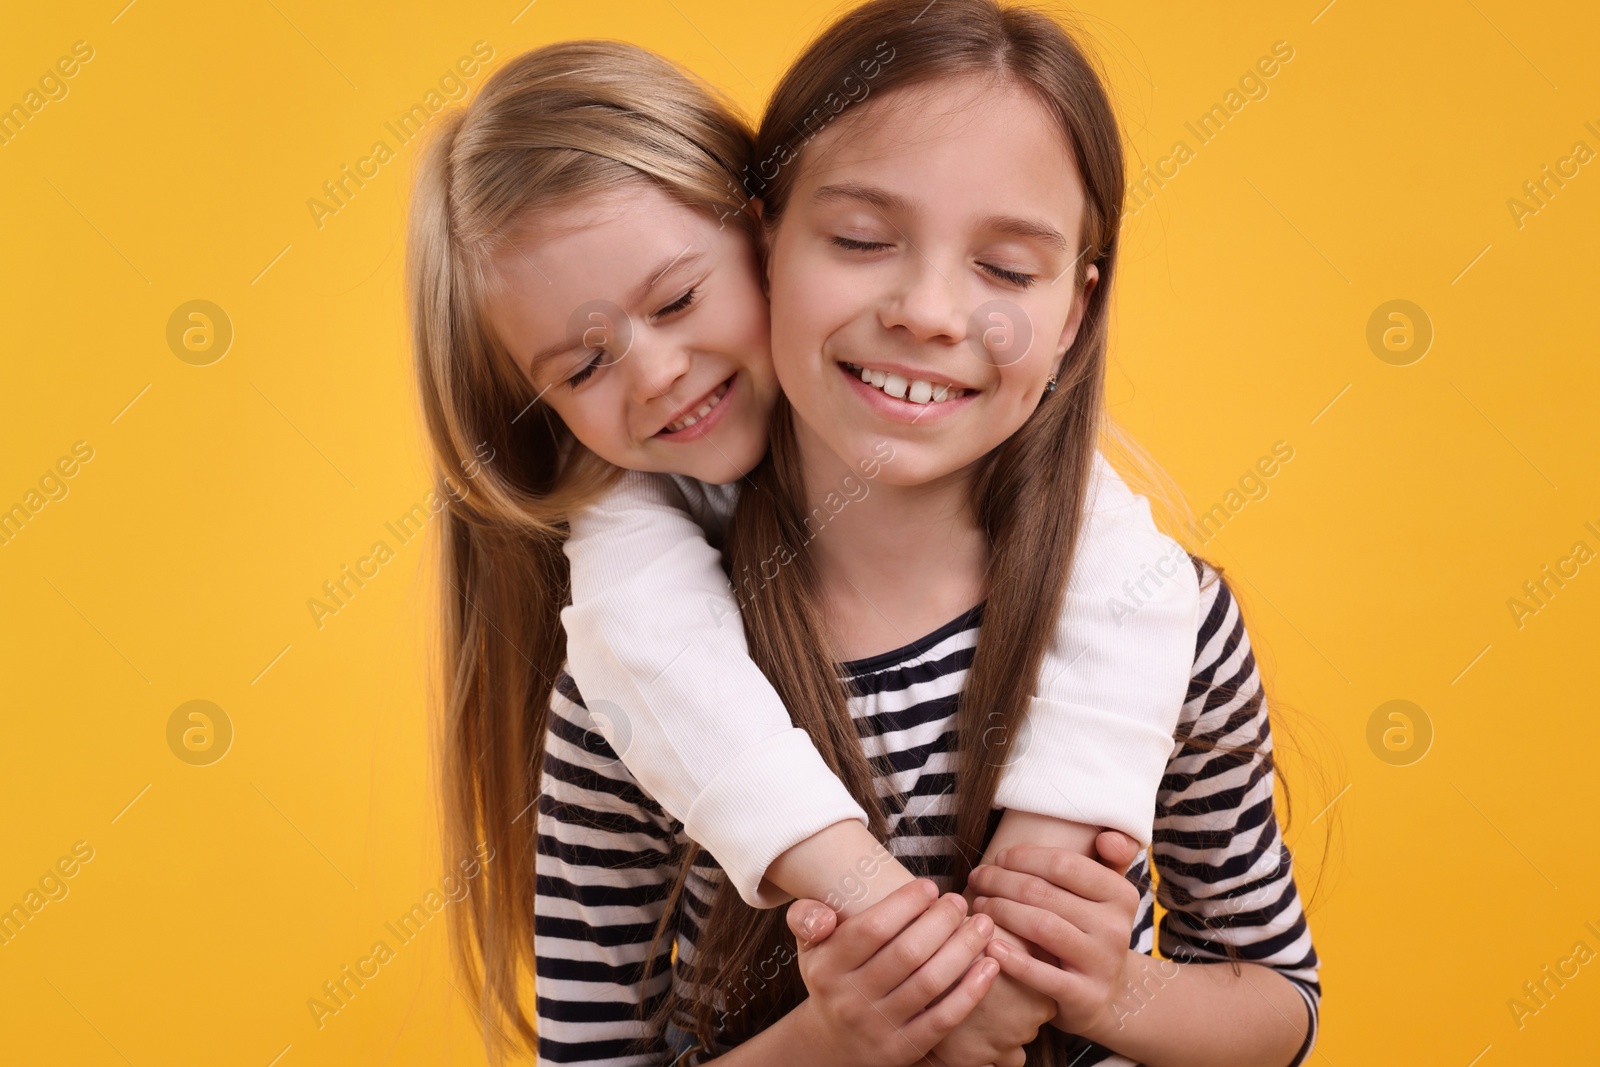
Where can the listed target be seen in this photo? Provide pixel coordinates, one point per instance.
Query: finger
(912, 947)
(1035, 974)
(1078, 874)
(1034, 892)
(931, 1026)
(1117, 850)
(943, 969)
(856, 939)
(1047, 930)
(810, 921)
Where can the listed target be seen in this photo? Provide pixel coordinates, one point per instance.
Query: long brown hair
(552, 126)
(1028, 493)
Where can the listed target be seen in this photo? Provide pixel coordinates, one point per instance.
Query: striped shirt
(608, 855)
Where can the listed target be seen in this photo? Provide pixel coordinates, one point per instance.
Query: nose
(925, 304)
(658, 363)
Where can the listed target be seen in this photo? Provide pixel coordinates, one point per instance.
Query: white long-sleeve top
(655, 645)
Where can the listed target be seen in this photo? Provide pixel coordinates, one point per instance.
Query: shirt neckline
(973, 616)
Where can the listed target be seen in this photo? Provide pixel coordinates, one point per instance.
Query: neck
(894, 562)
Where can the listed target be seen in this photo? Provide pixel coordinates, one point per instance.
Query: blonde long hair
(553, 126)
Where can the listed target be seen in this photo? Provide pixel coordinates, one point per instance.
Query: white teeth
(699, 413)
(915, 390)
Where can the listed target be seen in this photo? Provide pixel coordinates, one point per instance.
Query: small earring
(1052, 386)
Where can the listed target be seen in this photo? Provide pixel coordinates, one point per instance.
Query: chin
(913, 467)
(722, 474)
(721, 470)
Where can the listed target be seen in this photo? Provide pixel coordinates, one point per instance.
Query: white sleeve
(1100, 728)
(655, 644)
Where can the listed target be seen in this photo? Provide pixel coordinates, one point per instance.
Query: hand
(1010, 1016)
(874, 978)
(1006, 1020)
(1077, 910)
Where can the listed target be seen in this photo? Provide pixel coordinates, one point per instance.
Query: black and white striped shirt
(608, 854)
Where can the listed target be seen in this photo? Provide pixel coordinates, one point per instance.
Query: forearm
(1024, 827)
(660, 687)
(1097, 737)
(777, 1046)
(1203, 1015)
(843, 866)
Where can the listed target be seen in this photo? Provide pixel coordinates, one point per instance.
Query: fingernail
(1000, 948)
(1003, 855)
(978, 902)
(931, 890)
(983, 924)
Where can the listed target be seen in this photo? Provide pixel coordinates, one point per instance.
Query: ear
(1080, 304)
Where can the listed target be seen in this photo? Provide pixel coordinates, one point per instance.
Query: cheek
(585, 417)
(815, 275)
(799, 283)
(797, 297)
(752, 326)
(1046, 322)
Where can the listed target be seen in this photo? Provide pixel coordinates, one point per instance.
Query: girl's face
(929, 242)
(632, 314)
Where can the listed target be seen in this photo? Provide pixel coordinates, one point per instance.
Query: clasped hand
(917, 979)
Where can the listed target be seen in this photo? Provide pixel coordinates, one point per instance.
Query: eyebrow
(886, 201)
(689, 256)
(871, 195)
(1026, 228)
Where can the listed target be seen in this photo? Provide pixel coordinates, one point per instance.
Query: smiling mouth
(911, 390)
(705, 408)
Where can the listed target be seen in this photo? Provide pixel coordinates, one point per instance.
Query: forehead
(599, 240)
(971, 137)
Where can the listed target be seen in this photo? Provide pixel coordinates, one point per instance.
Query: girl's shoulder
(1217, 604)
(1225, 706)
(1223, 659)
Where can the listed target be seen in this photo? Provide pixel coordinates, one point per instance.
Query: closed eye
(596, 361)
(598, 357)
(855, 245)
(1014, 277)
(679, 304)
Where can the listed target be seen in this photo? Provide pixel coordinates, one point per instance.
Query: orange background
(1380, 165)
